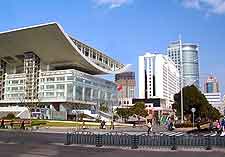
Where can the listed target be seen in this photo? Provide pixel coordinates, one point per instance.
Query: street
(20, 150)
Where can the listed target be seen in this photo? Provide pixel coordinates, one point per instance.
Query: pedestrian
(2, 124)
(218, 127)
(22, 125)
(103, 125)
(198, 125)
(112, 125)
(83, 125)
(211, 126)
(149, 125)
(11, 124)
(223, 124)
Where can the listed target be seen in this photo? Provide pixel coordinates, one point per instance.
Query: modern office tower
(211, 85)
(158, 79)
(43, 66)
(185, 57)
(213, 94)
(127, 82)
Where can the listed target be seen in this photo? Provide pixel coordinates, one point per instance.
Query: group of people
(170, 124)
(218, 126)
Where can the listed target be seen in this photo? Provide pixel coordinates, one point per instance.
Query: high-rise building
(185, 57)
(44, 66)
(212, 93)
(127, 82)
(211, 85)
(158, 77)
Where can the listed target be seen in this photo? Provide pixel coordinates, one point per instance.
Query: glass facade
(209, 87)
(65, 86)
(190, 64)
(187, 63)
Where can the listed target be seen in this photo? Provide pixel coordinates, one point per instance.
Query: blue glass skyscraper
(185, 56)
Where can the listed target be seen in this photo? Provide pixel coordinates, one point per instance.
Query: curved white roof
(56, 48)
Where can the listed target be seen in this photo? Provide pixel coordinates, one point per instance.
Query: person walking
(223, 124)
(2, 124)
(218, 127)
(149, 125)
(22, 125)
(211, 126)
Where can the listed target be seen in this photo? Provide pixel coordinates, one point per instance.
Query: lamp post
(193, 114)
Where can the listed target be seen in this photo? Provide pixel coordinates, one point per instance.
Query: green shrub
(38, 122)
(10, 116)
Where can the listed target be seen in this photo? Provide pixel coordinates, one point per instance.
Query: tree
(104, 108)
(123, 112)
(139, 109)
(192, 97)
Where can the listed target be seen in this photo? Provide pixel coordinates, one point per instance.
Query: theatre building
(54, 74)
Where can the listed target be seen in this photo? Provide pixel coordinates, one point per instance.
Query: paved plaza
(16, 150)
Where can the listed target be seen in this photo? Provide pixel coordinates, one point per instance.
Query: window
(50, 86)
(60, 86)
(70, 78)
(87, 82)
(79, 91)
(60, 78)
(15, 82)
(50, 79)
(14, 88)
(100, 58)
(70, 90)
(79, 80)
(94, 55)
(48, 94)
(86, 52)
(60, 94)
(42, 87)
(87, 94)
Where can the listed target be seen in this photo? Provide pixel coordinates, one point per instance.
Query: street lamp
(193, 112)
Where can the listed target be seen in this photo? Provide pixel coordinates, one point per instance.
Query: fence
(135, 141)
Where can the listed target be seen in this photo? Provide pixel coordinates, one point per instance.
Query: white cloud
(210, 6)
(112, 3)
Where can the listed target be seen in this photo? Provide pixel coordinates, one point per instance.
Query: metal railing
(144, 140)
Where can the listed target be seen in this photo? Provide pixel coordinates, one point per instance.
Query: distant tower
(212, 93)
(126, 82)
(211, 85)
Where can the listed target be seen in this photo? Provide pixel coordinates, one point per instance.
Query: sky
(125, 29)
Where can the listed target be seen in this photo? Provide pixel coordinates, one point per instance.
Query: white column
(48, 67)
(141, 77)
(91, 94)
(65, 91)
(83, 93)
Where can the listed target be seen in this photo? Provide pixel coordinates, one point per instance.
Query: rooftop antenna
(180, 37)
